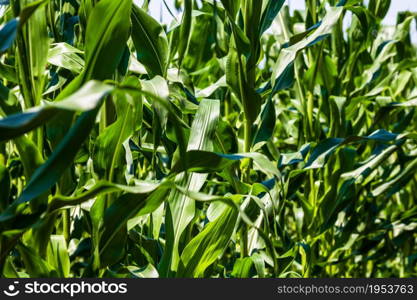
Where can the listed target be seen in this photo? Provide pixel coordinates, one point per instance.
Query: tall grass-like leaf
(207, 246)
(50, 172)
(271, 11)
(106, 36)
(150, 42)
(109, 144)
(205, 161)
(35, 266)
(33, 45)
(65, 56)
(105, 44)
(58, 256)
(116, 216)
(5, 183)
(288, 55)
(182, 207)
(231, 7)
(399, 181)
(303, 167)
(157, 86)
(185, 30)
(8, 72)
(101, 188)
(321, 153)
(87, 98)
(8, 34)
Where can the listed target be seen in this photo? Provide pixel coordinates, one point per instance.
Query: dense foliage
(238, 141)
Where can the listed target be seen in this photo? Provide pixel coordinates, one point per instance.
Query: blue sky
(158, 9)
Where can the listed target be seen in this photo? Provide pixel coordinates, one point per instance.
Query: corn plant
(240, 140)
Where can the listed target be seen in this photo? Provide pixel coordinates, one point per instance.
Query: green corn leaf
(8, 33)
(395, 184)
(58, 257)
(5, 183)
(50, 172)
(267, 126)
(271, 11)
(29, 8)
(65, 56)
(116, 216)
(182, 207)
(231, 7)
(35, 266)
(287, 55)
(205, 161)
(106, 36)
(322, 151)
(87, 98)
(32, 46)
(8, 72)
(29, 154)
(350, 187)
(185, 30)
(100, 188)
(242, 268)
(109, 145)
(150, 42)
(303, 166)
(207, 246)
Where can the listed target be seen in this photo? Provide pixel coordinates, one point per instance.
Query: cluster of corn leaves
(238, 141)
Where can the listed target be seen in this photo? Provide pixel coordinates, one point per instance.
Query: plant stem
(66, 225)
(297, 80)
(244, 241)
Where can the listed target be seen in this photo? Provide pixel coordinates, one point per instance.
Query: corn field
(241, 140)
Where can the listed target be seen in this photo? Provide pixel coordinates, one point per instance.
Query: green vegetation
(238, 141)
